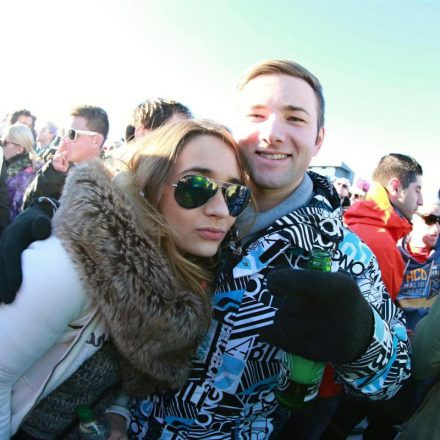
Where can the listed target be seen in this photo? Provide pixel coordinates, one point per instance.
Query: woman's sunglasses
(431, 219)
(194, 191)
(72, 133)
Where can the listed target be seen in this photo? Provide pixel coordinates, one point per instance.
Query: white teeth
(273, 156)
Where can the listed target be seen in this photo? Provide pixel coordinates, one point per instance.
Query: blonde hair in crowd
(151, 161)
(20, 134)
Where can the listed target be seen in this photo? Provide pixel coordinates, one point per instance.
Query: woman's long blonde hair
(151, 161)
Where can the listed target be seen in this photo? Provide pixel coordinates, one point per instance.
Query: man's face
(342, 186)
(45, 137)
(426, 228)
(84, 147)
(277, 134)
(26, 120)
(410, 198)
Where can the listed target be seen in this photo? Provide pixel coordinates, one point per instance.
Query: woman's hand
(117, 427)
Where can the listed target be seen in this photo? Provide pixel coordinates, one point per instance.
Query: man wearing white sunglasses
(81, 141)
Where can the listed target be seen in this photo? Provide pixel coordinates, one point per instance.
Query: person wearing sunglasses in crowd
(80, 142)
(346, 320)
(20, 163)
(420, 251)
(118, 297)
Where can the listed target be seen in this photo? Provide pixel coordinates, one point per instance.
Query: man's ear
(98, 140)
(140, 131)
(394, 187)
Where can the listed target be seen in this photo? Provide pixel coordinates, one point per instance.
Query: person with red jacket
(384, 216)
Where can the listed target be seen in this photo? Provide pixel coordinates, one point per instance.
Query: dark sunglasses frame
(431, 219)
(193, 191)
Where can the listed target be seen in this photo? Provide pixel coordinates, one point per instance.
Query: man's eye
(295, 119)
(255, 116)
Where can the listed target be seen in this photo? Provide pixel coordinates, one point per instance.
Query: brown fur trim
(155, 323)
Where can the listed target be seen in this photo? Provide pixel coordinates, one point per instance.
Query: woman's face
(201, 229)
(11, 149)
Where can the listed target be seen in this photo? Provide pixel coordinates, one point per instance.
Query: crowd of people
(160, 280)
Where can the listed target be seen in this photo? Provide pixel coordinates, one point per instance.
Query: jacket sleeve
(380, 371)
(48, 182)
(426, 344)
(20, 182)
(49, 299)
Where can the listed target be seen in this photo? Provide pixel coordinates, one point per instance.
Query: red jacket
(379, 225)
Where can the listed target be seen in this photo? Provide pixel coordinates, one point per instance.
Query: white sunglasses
(72, 133)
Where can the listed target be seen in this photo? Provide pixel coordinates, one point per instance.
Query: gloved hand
(321, 316)
(32, 224)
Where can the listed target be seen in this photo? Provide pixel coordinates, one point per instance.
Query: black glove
(32, 224)
(321, 316)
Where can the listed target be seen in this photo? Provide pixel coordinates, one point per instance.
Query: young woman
(118, 296)
(17, 150)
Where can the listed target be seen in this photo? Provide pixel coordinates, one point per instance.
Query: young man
(81, 141)
(421, 254)
(384, 216)
(22, 117)
(325, 317)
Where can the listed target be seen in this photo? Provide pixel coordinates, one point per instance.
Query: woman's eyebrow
(200, 170)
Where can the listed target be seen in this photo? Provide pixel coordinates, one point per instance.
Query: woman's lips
(211, 234)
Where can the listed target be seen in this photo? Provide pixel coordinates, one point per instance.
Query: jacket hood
(376, 210)
(154, 321)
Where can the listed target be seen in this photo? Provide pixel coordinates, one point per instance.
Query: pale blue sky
(379, 63)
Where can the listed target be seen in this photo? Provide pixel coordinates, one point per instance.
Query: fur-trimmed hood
(154, 321)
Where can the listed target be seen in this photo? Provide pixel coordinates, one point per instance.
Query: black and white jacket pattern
(230, 391)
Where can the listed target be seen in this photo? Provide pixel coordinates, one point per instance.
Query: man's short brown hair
(286, 67)
(395, 165)
(153, 113)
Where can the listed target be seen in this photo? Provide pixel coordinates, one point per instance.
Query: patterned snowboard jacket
(230, 390)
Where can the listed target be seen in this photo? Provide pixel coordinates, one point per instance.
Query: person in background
(153, 113)
(119, 295)
(420, 251)
(385, 215)
(359, 190)
(22, 117)
(357, 194)
(81, 141)
(342, 186)
(45, 137)
(20, 165)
